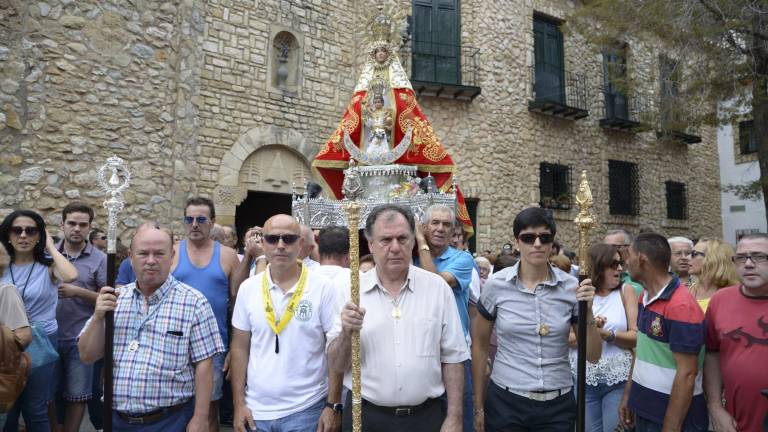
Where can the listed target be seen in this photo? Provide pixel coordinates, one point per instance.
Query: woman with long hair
(36, 270)
(615, 310)
(712, 268)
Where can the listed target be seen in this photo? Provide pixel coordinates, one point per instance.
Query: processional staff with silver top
(119, 178)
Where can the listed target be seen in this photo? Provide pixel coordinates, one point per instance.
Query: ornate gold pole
(353, 221)
(585, 221)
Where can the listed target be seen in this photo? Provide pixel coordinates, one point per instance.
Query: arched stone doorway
(266, 159)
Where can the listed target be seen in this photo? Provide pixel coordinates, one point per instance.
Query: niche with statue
(285, 63)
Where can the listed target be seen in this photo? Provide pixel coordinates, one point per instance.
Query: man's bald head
(151, 256)
(148, 227)
(284, 222)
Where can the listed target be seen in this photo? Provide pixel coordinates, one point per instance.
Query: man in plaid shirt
(165, 338)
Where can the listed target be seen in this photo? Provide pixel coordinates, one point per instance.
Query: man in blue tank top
(209, 267)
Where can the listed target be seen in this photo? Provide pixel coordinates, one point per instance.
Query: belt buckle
(402, 412)
(135, 420)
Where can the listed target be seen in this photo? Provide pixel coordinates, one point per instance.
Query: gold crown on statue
(381, 30)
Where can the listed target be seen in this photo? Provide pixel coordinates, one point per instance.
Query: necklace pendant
(133, 346)
(396, 313)
(543, 330)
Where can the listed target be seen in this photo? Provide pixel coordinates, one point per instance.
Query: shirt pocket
(426, 335)
(174, 345)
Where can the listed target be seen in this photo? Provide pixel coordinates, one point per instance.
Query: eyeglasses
(695, 254)
(530, 238)
(102, 237)
(756, 258)
(288, 239)
(615, 264)
(680, 254)
(201, 220)
(29, 231)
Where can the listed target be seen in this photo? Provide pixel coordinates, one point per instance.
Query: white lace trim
(611, 370)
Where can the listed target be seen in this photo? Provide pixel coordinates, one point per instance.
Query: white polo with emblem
(284, 383)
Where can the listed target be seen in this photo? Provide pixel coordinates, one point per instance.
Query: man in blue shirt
(433, 238)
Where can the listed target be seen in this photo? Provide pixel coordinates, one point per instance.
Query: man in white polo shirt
(279, 354)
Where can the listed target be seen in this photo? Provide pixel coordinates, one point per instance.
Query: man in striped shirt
(665, 392)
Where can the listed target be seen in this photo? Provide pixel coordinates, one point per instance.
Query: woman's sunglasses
(30, 230)
(530, 238)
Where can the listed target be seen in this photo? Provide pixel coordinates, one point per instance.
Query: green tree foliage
(720, 53)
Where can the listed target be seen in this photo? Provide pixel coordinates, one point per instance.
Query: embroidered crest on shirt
(656, 327)
(303, 311)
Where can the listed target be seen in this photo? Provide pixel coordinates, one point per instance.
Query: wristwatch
(336, 407)
(611, 337)
(424, 248)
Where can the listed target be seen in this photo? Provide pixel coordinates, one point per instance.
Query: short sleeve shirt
(460, 264)
(402, 357)
(289, 381)
(671, 322)
(176, 331)
(529, 359)
(737, 328)
(72, 313)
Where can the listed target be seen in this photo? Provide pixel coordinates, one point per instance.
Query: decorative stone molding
(268, 158)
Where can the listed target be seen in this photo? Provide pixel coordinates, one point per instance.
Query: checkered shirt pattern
(181, 330)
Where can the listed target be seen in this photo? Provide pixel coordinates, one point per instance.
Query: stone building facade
(232, 99)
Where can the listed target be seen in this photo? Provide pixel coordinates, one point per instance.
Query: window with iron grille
(554, 186)
(677, 207)
(623, 188)
(747, 143)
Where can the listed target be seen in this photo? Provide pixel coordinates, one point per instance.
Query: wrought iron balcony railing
(557, 92)
(442, 70)
(627, 113)
(677, 120)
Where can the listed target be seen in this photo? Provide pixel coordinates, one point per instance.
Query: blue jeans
(33, 401)
(170, 422)
(218, 376)
(302, 421)
(645, 425)
(75, 377)
(602, 406)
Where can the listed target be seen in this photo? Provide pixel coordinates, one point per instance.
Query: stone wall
(88, 79)
(183, 90)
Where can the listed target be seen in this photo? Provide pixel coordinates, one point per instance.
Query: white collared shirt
(402, 358)
(284, 383)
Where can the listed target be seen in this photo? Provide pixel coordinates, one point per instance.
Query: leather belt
(150, 417)
(541, 396)
(402, 411)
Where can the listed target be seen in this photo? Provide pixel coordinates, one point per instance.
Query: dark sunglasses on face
(30, 230)
(530, 238)
(695, 254)
(615, 264)
(288, 239)
(102, 237)
(201, 220)
(756, 258)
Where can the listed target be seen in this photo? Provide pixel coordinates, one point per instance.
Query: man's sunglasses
(201, 220)
(288, 239)
(30, 230)
(530, 238)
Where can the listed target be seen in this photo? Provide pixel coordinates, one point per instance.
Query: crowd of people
(677, 330)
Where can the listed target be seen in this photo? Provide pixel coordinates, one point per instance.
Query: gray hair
(440, 208)
(392, 210)
(683, 240)
(627, 235)
(482, 260)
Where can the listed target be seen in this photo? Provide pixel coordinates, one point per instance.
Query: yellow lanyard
(269, 309)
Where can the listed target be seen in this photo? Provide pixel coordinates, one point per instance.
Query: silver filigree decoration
(119, 178)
